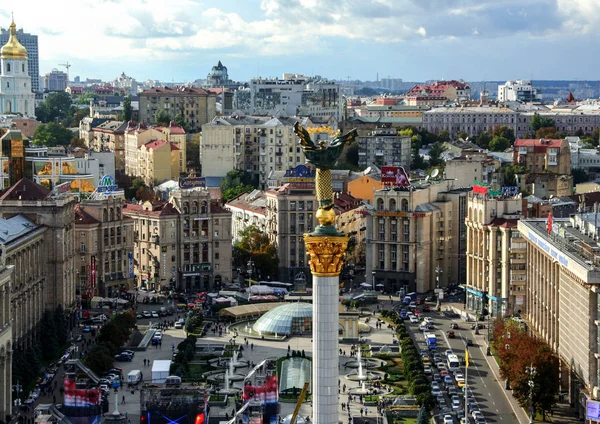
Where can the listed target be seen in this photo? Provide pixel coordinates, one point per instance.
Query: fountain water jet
(361, 375)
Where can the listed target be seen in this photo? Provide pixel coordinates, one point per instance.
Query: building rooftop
(542, 142)
(255, 201)
(15, 227)
(25, 189)
(470, 110)
(82, 217)
(176, 91)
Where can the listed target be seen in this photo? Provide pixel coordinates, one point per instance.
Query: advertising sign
(107, 185)
(93, 276)
(192, 182)
(593, 410)
(510, 191)
(479, 189)
(130, 258)
(82, 398)
(394, 175)
(266, 394)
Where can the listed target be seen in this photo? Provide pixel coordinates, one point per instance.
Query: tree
(180, 121)
(75, 116)
(161, 117)
(192, 153)
(417, 161)
(435, 155)
(580, 176)
(52, 134)
(443, 136)
(256, 246)
(483, 139)
(507, 133)
(127, 109)
(538, 122)
(499, 144)
(48, 328)
(423, 417)
(61, 325)
(546, 132)
(55, 107)
(235, 183)
(462, 135)
(77, 142)
(99, 359)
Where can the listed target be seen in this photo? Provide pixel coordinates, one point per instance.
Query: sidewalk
(562, 413)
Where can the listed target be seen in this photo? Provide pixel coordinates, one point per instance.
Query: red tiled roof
(82, 217)
(173, 147)
(25, 189)
(159, 208)
(154, 144)
(543, 142)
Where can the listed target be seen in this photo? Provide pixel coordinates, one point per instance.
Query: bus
(279, 287)
(453, 362)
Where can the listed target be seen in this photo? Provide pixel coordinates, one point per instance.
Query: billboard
(192, 182)
(80, 398)
(267, 394)
(394, 175)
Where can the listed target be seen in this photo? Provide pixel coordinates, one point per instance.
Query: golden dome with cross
(13, 49)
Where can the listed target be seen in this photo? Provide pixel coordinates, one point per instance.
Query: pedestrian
(123, 401)
(343, 406)
(54, 399)
(366, 411)
(251, 346)
(361, 412)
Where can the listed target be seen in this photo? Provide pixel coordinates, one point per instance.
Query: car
(450, 334)
(426, 362)
(104, 388)
(477, 415)
(86, 329)
(444, 374)
(461, 383)
(426, 308)
(473, 407)
(427, 369)
(469, 342)
(179, 324)
(129, 352)
(448, 379)
(449, 352)
(456, 403)
(452, 390)
(448, 419)
(459, 376)
(123, 357)
(414, 320)
(412, 305)
(154, 314)
(147, 314)
(440, 365)
(139, 316)
(454, 326)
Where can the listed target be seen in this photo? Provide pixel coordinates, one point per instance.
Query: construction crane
(66, 65)
(299, 403)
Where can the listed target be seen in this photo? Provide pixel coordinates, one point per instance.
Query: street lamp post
(531, 371)
(438, 271)
(373, 280)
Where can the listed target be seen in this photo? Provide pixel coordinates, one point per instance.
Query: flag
(549, 223)
(466, 357)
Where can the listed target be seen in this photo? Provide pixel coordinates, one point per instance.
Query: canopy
(366, 285)
(249, 310)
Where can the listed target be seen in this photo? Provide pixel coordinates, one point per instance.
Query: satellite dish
(427, 178)
(435, 173)
(367, 171)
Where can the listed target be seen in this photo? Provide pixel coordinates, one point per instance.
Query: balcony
(278, 153)
(379, 153)
(522, 150)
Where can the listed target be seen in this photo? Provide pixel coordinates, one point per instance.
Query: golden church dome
(13, 49)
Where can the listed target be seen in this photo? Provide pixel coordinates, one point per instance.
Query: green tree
(499, 144)
(85, 98)
(538, 122)
(546, 132)
(483, 139)
(235, 183)
(192, 154)
(61, 325)
(580, 176)
(127, 109)
(52, 134)
(256, 246)
(443, 136)
(55, 107)
(179, 120)
(507, 133)
(435, 155)
(161, 117)
(417, 161)
(48, 328)
(406, 132)
(99, 359)
(462, 135)
(75, 116)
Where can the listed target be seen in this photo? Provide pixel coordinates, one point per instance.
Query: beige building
(158, 161)
(6, 343)
(185, 242)
(543, 155)
(247, 209)
(415, 231)
(470, 168)
(291, 212)
(563, 299)
(496, 255)
(139, 135)
(104, 263)
(109, 136)
(470, 119)
(57, 214)
(197, 106)
(258, 145)
(384, 147)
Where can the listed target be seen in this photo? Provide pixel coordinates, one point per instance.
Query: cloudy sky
(414, 40)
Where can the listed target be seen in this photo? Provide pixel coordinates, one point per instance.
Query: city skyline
(408, 39)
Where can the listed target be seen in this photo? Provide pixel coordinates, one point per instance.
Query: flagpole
(466, 379)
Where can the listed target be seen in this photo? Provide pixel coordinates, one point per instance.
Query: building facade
(56, 81)
(247, 209)
(104, 260)
(563, 299)
(16, 95)
(384, 147)
(470, 168)
(6, 343)
(157, 162)
(196, 106)
(472, 120)
(517, 91)
(415, 231)
(30, 42)
(496, 255)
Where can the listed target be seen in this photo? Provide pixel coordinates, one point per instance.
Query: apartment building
(440, 92)
(104, 260)
(56, 213)
(517, 91)
(415, 231)
(7, 348)
(472, 120)
(247, 209)
(290, 213)
(138, 135)
(496, 254)
(384, 147)
(257, 145)
(158, 161)
(183, 243)
(471, 167)
(108, 136)
(197, 106)
(562, 300)
(56, 81)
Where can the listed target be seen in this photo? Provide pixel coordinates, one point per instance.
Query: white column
(325, 363)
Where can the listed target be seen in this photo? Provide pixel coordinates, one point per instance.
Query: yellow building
(158, 161)
(364, 187)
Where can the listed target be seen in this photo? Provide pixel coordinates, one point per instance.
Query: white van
(134, 377)
(173, 381)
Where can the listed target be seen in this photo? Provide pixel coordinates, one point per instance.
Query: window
(8, 67)
(292, 205)
(216, 255)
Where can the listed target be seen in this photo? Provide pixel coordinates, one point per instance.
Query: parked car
(147, 314)
(414, 320)
(154, 314)
(86, 329)
(454, 326)
(427, 369)
(448, 419)
(123, 357)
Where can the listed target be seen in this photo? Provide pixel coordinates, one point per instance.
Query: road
(487, 390)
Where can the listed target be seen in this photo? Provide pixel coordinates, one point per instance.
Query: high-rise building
(384, 147)
(30, 42)
(56, 81)
(519, 90)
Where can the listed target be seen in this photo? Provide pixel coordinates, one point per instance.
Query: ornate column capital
(326, 254)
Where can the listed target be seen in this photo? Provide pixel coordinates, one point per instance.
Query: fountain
(361, 375)
(226, 380)
(362, 387)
